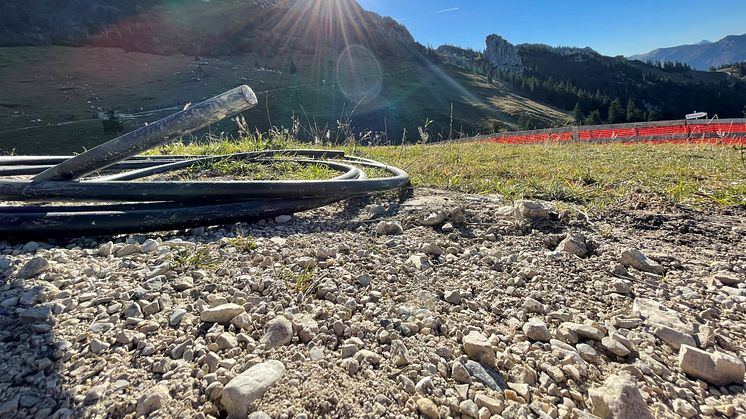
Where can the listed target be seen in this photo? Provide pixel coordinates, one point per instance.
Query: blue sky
(622, 27)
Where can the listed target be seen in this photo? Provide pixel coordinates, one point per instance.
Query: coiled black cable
(119, 200)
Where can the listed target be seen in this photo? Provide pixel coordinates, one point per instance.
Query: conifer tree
(577, 114)
(616, 113)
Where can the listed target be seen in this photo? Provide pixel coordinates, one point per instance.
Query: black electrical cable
(134, 204)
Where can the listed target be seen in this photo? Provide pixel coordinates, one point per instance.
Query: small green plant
(299, 282)
(243, 243)
(193, 258)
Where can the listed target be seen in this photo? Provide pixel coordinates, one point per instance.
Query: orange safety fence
(656, 132)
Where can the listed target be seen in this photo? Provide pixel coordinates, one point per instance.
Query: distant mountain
(582, 79)
(703, 55)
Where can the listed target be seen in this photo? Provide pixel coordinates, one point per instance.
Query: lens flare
(359, 73)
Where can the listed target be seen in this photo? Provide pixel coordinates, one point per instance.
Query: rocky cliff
(502, 55)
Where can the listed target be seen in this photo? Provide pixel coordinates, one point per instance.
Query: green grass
(276, 170)
(243, 243)
(592, 176)
(194, 258)
(299, 281)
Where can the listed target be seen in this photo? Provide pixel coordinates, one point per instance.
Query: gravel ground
(441, 305)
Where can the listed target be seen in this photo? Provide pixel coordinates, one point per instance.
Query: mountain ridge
(702, 55)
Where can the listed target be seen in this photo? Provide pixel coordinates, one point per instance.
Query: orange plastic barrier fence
(715, 133)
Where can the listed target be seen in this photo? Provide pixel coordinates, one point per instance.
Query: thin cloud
(452, 9)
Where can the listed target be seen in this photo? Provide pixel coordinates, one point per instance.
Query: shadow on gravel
(346, 213)
(30, 381)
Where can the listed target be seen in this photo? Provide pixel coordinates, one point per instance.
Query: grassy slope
(592, 176)
(62, 84)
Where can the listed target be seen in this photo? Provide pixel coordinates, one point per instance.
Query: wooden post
(158, 133)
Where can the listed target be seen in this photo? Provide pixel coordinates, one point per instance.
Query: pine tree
(293, 68)
(633, 114)
(593, 118)
(577, 114)
(616, 113)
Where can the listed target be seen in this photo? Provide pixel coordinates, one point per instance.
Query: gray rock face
(619, 398)
(716, 368)
(277, 332)
(503, 55)
(250, 385)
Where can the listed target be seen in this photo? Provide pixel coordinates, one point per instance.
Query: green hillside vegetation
(593, 87)
(69, 85)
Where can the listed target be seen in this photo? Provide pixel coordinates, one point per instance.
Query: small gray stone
(277, 332)
(153, 399)
(98, 346)
(33, 267)
(452, 296)
(399, 353)
(469, 408)
(727, 278)
(425, 385)
(243, 390)
(635, 259)
(129, 249)
(460, 373)
(419, 262)
(133, 310)
(389, 228)
(485, 375)
(175, 318)
(716, 368)
(478, 348)
(614, 346)
(222, 314)
(9, 407)
(530, 210)
(674, 338)
(535, 329)
(106, 249)
(619, 398)
(433, 219)
(31, 315)
(283, 219)
(573, 244)
(306, 262)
